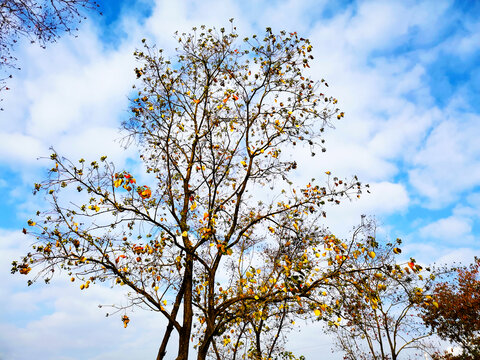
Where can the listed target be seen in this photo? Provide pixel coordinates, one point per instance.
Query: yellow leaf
(317, 312)
(184, 234)
(193, 206)
(295, 225)
(243, 163)
(117, 183)
(164, 302)
(435, 304)
(371, 254)
(125, 320)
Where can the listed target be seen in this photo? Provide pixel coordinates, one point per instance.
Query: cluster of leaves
(229, 266)
(457, 318)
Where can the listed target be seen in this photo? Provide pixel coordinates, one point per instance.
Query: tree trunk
(207, 339)
(163, 347)
(185, 333)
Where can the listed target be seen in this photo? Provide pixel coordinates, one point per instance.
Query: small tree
(457, 317)
(379, 309)
(203, 243)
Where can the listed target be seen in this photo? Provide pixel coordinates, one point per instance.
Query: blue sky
(406, 73)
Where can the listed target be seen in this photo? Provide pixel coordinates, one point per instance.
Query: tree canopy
(457, 318)
(213, 234)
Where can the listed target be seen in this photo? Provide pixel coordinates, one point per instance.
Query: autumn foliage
(457, 317)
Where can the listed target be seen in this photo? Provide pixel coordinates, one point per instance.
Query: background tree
(40, 21)
(380, 308)
(203, 243)
(457, 317)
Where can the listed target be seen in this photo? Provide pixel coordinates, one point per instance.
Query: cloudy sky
(406, 73)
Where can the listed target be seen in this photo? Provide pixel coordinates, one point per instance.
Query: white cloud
(17, 148)
(457, 256)
(375, 24)
(452, 229)
(449, 162)
(89, 91)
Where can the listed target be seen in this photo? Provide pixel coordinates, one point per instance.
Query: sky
(407, 76)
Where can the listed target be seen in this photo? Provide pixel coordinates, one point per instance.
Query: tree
(457, 317)
(39, 21)
(380, 308)
(203, 243)
(312, 271)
